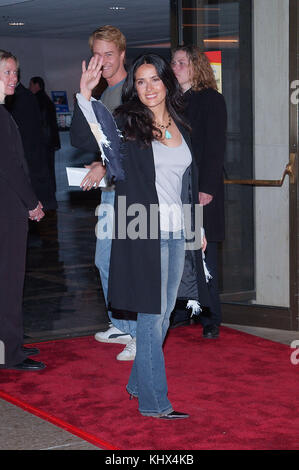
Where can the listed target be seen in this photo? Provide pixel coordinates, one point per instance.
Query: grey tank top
(170, 166)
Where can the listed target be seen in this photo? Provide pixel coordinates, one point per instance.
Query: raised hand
(90, 76)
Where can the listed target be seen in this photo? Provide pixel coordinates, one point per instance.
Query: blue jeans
(102, 256)
(148, 377)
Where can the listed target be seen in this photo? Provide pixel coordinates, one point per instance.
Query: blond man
(109, 43)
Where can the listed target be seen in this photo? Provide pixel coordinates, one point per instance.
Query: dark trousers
(13, 239)
(213, 315)
(208, 316)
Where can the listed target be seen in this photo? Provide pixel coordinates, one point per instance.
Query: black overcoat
(16, 199)
(135, 267)
(207, 115)
(16, 194)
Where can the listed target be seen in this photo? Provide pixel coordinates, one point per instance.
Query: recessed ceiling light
(117, 8)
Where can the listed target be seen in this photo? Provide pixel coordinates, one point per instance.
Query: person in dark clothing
(24, 108)
(18, 202)
(207, 115)
(51, 137)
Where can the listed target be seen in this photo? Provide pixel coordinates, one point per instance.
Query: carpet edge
(57, 422)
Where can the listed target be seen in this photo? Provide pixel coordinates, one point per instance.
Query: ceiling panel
(142, 21)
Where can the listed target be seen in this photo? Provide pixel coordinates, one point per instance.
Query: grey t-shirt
(111, 97)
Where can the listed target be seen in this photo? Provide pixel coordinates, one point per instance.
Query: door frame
(262, 315)
(280, 317)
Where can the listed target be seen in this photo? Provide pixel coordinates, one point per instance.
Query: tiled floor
(62, 294)
(62, 298)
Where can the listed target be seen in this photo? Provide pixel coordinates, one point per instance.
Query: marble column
(271, 149)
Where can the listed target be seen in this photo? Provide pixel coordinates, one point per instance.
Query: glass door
(255, 59)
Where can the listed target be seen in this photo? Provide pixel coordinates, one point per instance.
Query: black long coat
(206, 113)
(16, 199)
(135, 270)
(16, 194)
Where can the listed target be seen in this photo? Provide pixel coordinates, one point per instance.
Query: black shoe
(174, 415)
(28, 364)
(210, 331)
(30, 351)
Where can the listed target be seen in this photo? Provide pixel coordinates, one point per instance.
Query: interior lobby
(259, 259)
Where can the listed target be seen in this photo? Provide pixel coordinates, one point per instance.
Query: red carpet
(240, 390)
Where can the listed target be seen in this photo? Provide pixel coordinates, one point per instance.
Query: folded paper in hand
(76, 175)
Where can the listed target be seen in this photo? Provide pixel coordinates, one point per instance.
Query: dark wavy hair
(138, 119)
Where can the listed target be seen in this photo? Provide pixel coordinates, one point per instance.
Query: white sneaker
(113, 335)
(129, 353)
